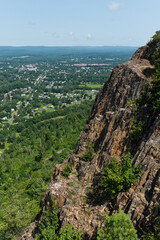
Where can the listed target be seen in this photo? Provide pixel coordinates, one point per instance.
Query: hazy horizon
(81, 46)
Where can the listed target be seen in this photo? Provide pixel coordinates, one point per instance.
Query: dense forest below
(26, 166)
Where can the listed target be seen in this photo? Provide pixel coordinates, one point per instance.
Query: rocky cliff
(109, 128)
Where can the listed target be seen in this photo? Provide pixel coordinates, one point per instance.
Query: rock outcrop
(109, 127)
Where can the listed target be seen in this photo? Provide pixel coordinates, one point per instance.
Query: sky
(78, 22)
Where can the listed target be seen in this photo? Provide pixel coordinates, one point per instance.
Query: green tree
(112, 179)
(130, 173)
(119, 176)
(16, 210)
(117, 227)
(155, 37)
(19, 127)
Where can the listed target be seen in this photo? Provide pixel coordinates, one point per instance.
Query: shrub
(130, 173)
(69, 233)
(118, 226)
(117, 177)
(89, 154)
(112, 179)
(136, 132)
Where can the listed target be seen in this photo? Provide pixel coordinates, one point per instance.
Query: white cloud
(114, 6)
(71, 33)
(89, 36)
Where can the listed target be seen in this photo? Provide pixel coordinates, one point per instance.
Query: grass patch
(55, 118)
(93, 86)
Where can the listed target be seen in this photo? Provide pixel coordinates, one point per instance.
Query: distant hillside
(63, 51)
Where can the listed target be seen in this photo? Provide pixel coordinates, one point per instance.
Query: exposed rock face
(109, 129)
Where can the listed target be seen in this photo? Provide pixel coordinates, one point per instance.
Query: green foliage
(69, 233)
(67, 169)
(157, 226)
(151, 95)
(89, 154)
(130, 173)
(154, 93)
(155, 234)
(17, 210)
(143, 99)
(137, 131)
(49, 224)
(48, 227)
(155, 38)
(19, 127)
(118, 226)
(27, 165)
(156, 57)
(49, 232)
(119, 176)
(112, 179)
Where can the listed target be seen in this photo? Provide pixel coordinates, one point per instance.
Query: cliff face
(109, 128)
